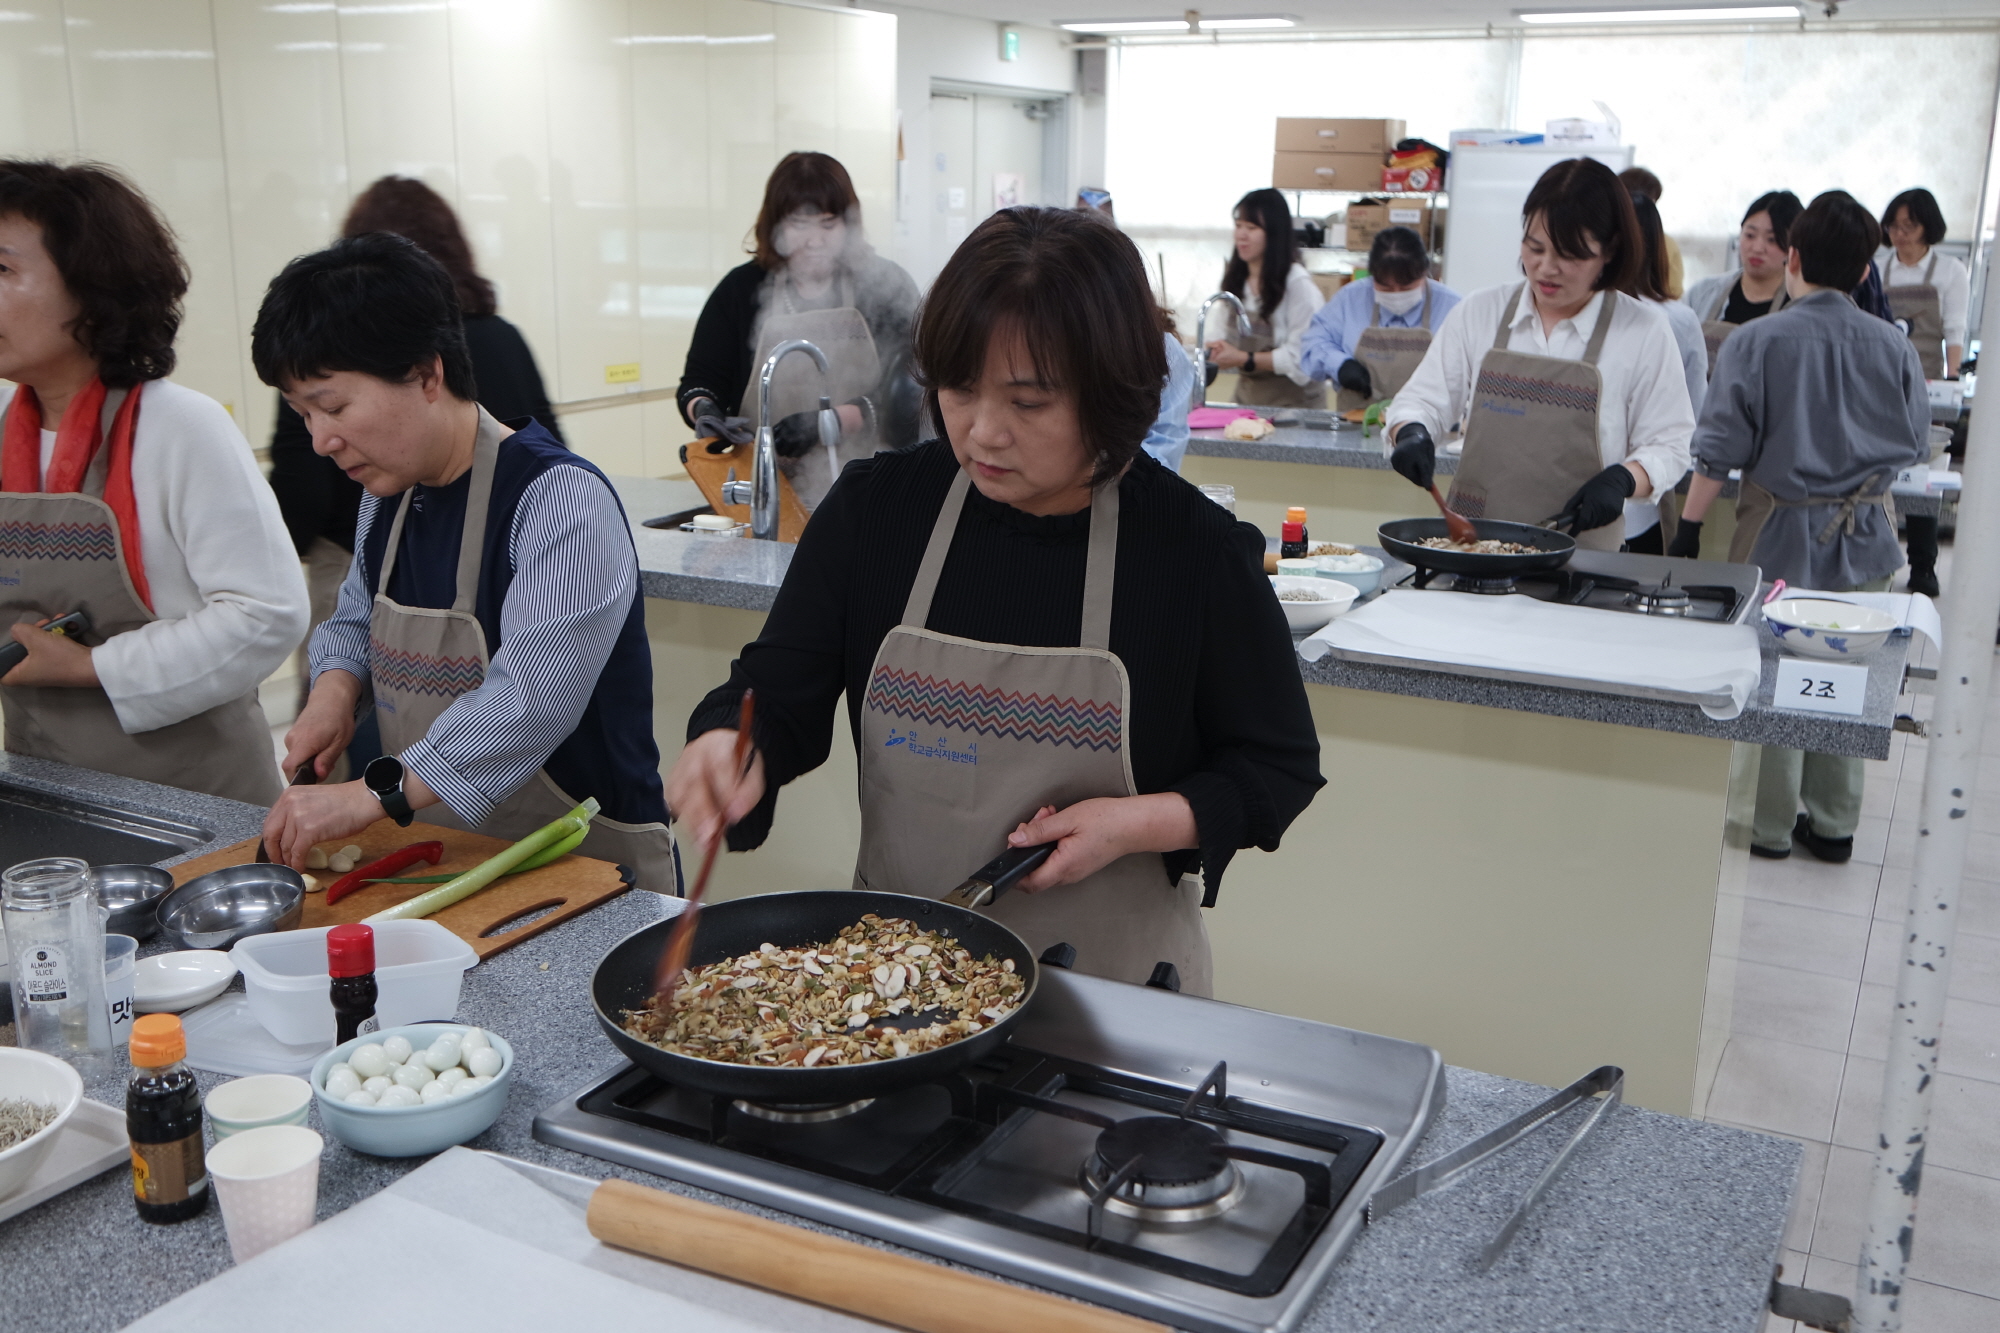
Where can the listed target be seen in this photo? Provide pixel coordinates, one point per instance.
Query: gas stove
(1708, 590)
(1178, 1158)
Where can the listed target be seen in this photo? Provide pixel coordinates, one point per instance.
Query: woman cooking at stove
(1042, 634)
(493, 606)
(1727, 301)
(1570, 390)
(812, 276)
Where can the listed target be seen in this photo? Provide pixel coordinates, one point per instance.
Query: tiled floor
(1815, 984)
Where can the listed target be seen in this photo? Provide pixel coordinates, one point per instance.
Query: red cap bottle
(350, 950)
(350, 962)
(1291, 541)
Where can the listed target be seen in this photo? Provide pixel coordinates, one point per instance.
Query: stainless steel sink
(34, 824)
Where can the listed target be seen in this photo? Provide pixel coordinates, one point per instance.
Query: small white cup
(254, 1102)
(267, 1180)
(121, 952)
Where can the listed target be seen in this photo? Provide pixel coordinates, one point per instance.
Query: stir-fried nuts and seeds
(820, 1005)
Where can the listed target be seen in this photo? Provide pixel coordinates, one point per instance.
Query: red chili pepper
(430, 853)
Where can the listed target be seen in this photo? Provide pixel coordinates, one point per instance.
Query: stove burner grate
(1180, 1170)
(813, 1114)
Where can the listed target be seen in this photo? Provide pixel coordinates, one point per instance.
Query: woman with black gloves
(811, 276)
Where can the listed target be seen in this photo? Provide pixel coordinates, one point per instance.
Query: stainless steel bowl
(133, 894)
(223, 906)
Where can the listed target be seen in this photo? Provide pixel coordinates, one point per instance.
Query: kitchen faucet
(1243, 331)
(761, 492)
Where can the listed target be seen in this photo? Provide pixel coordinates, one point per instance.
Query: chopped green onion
(472, 881)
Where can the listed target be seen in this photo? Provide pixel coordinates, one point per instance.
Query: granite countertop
(1342, 446)
(1660, 1223)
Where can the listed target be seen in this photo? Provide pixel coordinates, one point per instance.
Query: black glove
(1599, 501)
(1353, 377)
(1687, 541)
(1213, 371)
(1415, 455)
(795, 434)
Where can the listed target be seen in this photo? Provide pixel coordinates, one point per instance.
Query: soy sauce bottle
(1292, 534)
(350, 964)
(163, 1119)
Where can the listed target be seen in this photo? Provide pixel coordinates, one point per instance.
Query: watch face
(384, 773)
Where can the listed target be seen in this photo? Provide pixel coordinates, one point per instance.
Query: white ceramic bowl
(39, 1078)
(170, 983)
(412, 1131)
(1365, 580)
(1821, 627)
(1333, 597)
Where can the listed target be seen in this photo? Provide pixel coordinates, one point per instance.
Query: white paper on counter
(1715, 667)
(1912, 610)
(464, 1242)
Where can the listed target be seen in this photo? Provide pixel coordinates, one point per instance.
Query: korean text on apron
(1391, 355)
(422, 659)
(854, 369)
(1715, 330)
(1531, 432)
(961, 740)
(1919, 306)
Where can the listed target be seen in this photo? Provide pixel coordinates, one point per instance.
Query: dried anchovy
(819, 1005)
(1484, 546)
(1302, 595)
(21, 1120)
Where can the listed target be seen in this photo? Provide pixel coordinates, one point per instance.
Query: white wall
(606, 156)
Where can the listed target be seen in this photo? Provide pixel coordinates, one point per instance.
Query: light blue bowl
(1364, 581)
(412, 1131)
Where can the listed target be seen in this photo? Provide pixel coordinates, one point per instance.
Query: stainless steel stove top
(1178, 1158)
(1709, 590)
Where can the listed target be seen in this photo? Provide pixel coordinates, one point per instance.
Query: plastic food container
(418, 967)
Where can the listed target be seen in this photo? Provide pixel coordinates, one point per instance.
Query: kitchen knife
(1000, 874)
(813, 1266)
(305, 777)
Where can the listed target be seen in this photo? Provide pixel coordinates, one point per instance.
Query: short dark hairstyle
(802, 182)
(1836, 239)
(1264, 208)
(1783, 207)
(1075, 287)
(1651, 282)
(413, 209)
(1580, 200)
(117, 257)
(1638, 180)
(1397, 253)
(1924, 211)
(376, 304)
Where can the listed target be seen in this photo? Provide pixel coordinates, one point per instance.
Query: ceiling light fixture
(1128, 25)
(1248, 21)
(1261, 21)
(1708, 14)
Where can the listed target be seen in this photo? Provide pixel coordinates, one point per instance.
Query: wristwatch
(1249, 363)
(384, 777)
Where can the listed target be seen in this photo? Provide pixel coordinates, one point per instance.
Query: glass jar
(55, 940)
(1222, 495)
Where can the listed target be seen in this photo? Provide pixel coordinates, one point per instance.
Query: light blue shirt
(1334, 331)
(1168, 438)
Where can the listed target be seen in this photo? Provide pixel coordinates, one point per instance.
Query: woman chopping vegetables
(492, 607)
(1043, 635)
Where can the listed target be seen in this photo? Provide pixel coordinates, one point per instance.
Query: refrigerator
(1487, 184)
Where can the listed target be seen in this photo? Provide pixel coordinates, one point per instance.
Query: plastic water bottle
(55, 939)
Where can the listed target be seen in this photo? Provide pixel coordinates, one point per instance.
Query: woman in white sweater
(131, 499)
(1281, 298)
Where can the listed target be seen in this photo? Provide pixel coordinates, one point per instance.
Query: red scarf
(77, 442)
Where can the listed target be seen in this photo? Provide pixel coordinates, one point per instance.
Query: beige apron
(854, 370)
(962, 740)
(63, 553)
(1531, 432)
(1266, 387)
(1755, 505)
(1715, 330)
(1920, 306)
(1391, 355)
(422, 659)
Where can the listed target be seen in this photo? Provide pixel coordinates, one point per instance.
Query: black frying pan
(1552, 549)
(624, 981)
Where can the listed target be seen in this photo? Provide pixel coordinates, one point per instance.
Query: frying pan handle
(1000, 874)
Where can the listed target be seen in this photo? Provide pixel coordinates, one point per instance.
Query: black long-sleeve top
(1218, 710)
(317, 499)
(724, 343)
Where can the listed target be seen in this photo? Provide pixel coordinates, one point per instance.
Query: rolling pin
(827, 1270)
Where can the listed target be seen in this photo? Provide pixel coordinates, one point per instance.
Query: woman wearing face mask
(1281, 298)
(1034, 553)
(1757, 288)
(811, 276)
(1571, 390)
(1373, 334)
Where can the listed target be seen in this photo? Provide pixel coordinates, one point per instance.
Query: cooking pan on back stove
(1402, 538)
(624, 981)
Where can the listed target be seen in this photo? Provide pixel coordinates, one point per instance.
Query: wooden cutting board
(570, 885)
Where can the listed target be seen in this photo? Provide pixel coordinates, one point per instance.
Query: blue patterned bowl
(1823, 628)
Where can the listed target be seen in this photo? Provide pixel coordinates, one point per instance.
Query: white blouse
(1288, 326)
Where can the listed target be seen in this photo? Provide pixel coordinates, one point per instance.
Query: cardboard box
(1326, 171)
(1365, 219)
(1338, 136)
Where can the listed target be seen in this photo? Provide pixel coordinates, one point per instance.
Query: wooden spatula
(680, 940)
(1457, 525)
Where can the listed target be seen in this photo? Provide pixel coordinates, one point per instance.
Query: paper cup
(267, 1180)
(252, 1103)
(121, 952)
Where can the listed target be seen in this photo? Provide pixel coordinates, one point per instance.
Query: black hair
(1783, 207)
(1924, 211)
(1651, 282)
(1398, 255)
(376, 303)
(1580, 200)
(1267, 209)
(1836, 238)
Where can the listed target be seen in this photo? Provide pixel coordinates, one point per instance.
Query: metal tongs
(1606, 1081)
